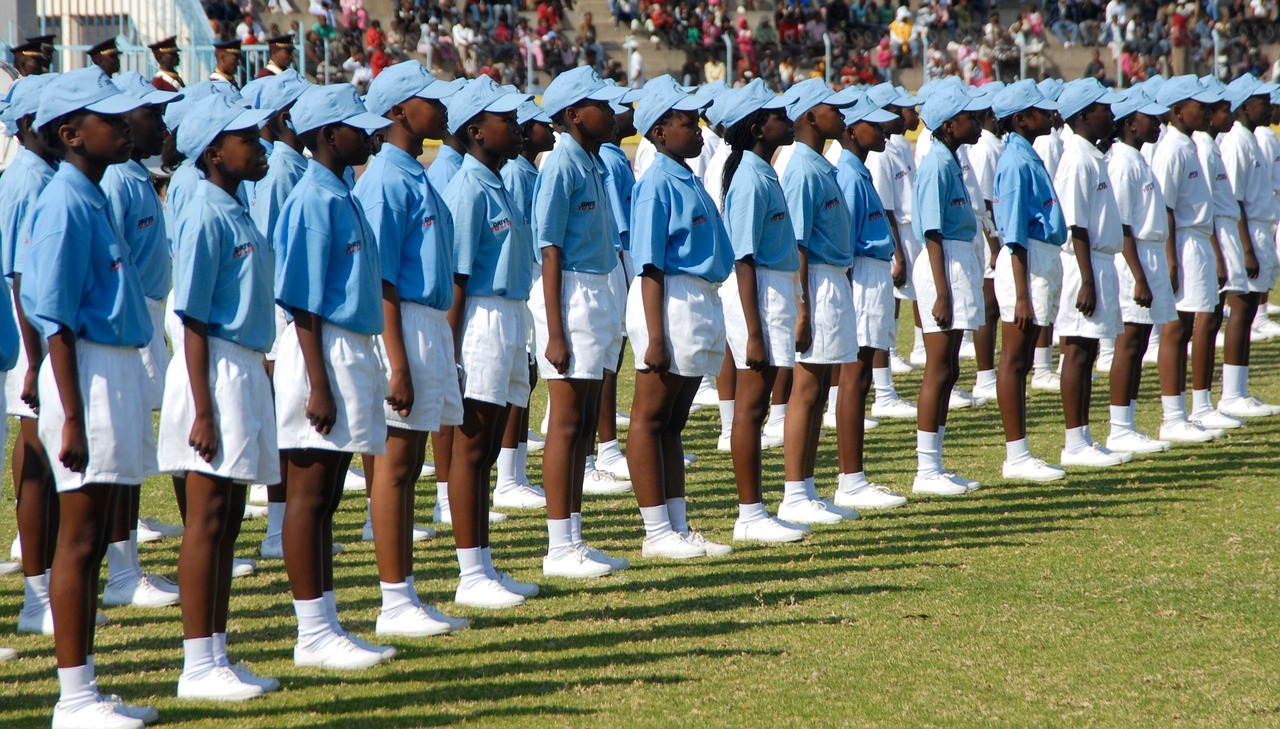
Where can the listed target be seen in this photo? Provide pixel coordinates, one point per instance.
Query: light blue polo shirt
(755, 213)
(941, 201)
(676, 227)
(182, 185)
(412, 226)
(445, 166)
(620, 181)
(519, 176)
(285, 166)
(224, 272)
(139, 217)
(327, 255)
(20, 187)
(10, 340)
(491, 239)
(78, 273)
(1026, 204)
(817, 208)
(571, 210)
(869, 230)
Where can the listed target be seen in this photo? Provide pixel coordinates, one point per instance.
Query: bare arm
(1246, 241)
(804, 313)
(653, 285)
(66, 373)
(1023, 311)
(204, 430)
(33, 345)
(557, 343)
(942, 313)
(1141, 289)
(748, 295)
(322, 411)
(898, 270)
(1171, 253)
(1087, 299)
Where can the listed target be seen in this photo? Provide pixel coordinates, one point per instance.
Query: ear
(70, 135)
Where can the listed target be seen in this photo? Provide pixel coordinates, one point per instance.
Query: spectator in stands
(788, 73)
(373, 36)
(354, 14)
(902, 33)
(1097, 69)
(745, 40)
(714, 69)
(884, 60)
(1061, 23)
(248, 31)
(766, 37)
(587, 39)
(358, 71)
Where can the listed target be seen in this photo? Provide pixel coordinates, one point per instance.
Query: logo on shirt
(1102, 185)
(959, 202)
(354, 247)
(699, 219)
(1048, 204)
(428, 221)
(500, 225)
(1216, 178)
(875, 215)
(1151, 187)
(242, 250)
(116, 263)
(1193, 175)
(778, 217)
(586, 206)
(147, 222)
(831, 204)
(899, 174)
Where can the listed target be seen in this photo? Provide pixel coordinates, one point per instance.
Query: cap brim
(158, 97)
(115, 104)
(442, 89)
(506, 103)
(630, 96)
(977, 105)
(607, 92)
(1153, 109)
(843, 98)
(1207, 97)
(777, 102)
(1047, 104)
(366, 121)
(879, 116)
(617, 108)
(248, 118)
(690, 103)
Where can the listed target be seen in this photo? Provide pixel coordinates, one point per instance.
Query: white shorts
(910, 252)
(282, 321)
(495, 365)
(173, 328)
(1263, 233)
(1155, 265)
(872, 286)
(618, 283)
(122, 441)
(693, 322)
(155, 356)
(247, 450)
(13, 383)
(1044, 269)
(964, 273)
(1198, 274)
(628, 267)
(1105, 322)
(835, 325)
(984, 253)
(428, 343)
(778, 299)
(359, 387)
(592, 324)
(1228, 231)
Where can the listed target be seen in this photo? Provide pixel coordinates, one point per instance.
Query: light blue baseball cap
(85, 88)
(1020, 96)
(886, 94)
(1239, 91)
(405, 80)
(1135, 100)
(24, 99)
(943, 104)
(135, 84)
(740, 103)
(320, 106)
(1051, 88)
(1182, 88)
(479, 95)
(661, 95)
(1081, 93)
(865, 109)
(177, 110)
(985, 91)
(577, 85)
(530, 111)
(930, 88)
(809, 93)
(629, 95)
(213, 115)
(711, 91)
(277, 91)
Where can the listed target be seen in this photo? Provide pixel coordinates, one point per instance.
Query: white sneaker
(8, 568)
(15, 549)
(354, 480)
(829, 420)
(421, 533)
(258, 494)
(271, 548)
(7, 654)
(768, 529)
(987, 393)
(707, 394)
(168, 531)
(769, 442)
(410, 621)
(1091, 456)
(1046, 380)
(520, 496)
(671, 546)
(898, 365)
(454, 623)
(574, 564)
(724, 443)
(254, 511)
(37, 622)
(937, 485)
(690, 459)
(336, 652)
(617, 564)
(622, 420)
(243, 567)
(220, 684)
(617, 466)
(147, 535)
(534, 442)
(146, 714)
(428, 470)
(870, 497)
(386, 651)
(545, 425)
(246, 675)
(488, 594)
(95, 715)
(895, 407)
(848, 513)
(870, 424)
(1032, 469)
(961, 399)
(968, 350)
(1103, 364)
(1247, 407)
(141, 592)
(809, 511)
(918, 356)
(1136, 442)
(1215, 419)
(968, 483)
(1187, 432)
(603, 483)
(523, 589)
(443, 516)
(712, 549)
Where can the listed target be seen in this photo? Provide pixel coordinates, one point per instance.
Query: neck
(582, 139)
(490, 159)
(453, 143)
(531, 155)
(809, 136)
(224, 182)
(1131, 141)
(402, 138)
(325, 155)
(666, 151)
(92, 169)
(949, 142)
(764, 151)
(1178, 124)
(171, 70)
(1245, 123)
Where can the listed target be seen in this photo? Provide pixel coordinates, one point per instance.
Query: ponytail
(170, 157)
(739, 139)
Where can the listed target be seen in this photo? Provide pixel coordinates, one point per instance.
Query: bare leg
(1011, 379)
(750, 410)
(389, 479)
(86, 516)
(851, 408)
(314, 475)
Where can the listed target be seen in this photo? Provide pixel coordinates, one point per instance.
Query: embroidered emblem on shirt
(116, 263)
(776, 217)
(699, 219)
(147, 222)
(831, 204)
(242, 250)
(500, 226)
(586, 206)
(959, 202)
(428, 221)
(354, 247)
(1193, 175)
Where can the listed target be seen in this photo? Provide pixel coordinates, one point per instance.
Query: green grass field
(1142, 596)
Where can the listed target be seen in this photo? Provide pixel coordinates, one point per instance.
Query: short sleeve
(196, 268)
(744, 210)
(1073, 191)
(1012, 187)
(302, 258)
(650, 221)
(60, 271)
(929, 203)
(469, 223)
(551, 195)
(1166, 169)
(798, 189)
(389, 225)
(1127, 188)
(879, 164)
(1234, 165)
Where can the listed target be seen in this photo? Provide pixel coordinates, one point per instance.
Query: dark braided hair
(740, 139)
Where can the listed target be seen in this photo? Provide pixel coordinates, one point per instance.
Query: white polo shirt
(1084, 190)
(1270, 148)
(1223, 193)
(1138, 198)
(1242, 165)
(1175, 163)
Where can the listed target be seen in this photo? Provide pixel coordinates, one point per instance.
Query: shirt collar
(761, 167)
(91, 193)
(523, 163)
(1082, 144)
(577, 154)
(288, 153)
(671, 167)
(326, 179)
(402, 160)
(34, 161)
(850, 160)
(135, 169)
(808, 155)
(483, 174)
(218, 198)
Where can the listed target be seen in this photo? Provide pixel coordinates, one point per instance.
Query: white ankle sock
(1201, 402)
(413, 590)
(395, 595)
(1106, 349)
(882, 379)
(726, 416)
(748, 513)
(76, 686)
(794, 494)
(1233, 378)
(1175, 409)
(917, 344)
(471, 567)
(1242, 386)
(486, 559)
(331, 610)
(811, 488)
(559, 536)
(275, 521)
(575, 523)
(521, 473)
(313, 620)
(926, 453)
(1121, 420)
(850, 483)
(220, 650)
(609, 452)
(120, 563)
(777, 416)
(507, 475)
(35, 593)
(986, 379)
(1016, 451)
(656, 522)
(1076, 439)
(833, 394)
(197, 657)
(677, 514)
(1041, 359)
(442, 495)
(942, 436)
